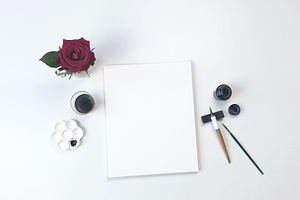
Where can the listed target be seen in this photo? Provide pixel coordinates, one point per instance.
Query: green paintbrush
(243, 149)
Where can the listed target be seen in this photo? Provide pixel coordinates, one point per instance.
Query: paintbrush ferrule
(214, 121)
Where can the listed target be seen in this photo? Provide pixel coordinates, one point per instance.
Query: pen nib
(211, 113)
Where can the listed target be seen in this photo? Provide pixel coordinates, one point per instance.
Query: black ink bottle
(222, 92)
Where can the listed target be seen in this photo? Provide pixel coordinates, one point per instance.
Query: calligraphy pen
(214, 121)
(243, 149)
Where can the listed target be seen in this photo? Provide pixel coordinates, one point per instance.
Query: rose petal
(92, 58)
(73, 50)
(78, 63)
(75, 56)
(57, 60)
(84, 42)
(85, 68)
(66, 42)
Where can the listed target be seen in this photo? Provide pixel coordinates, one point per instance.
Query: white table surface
(252, 45)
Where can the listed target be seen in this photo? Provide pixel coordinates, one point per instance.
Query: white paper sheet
(150, 119)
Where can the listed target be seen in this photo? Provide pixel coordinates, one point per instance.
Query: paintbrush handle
(246, 152)
(223, 144)
(243, 149)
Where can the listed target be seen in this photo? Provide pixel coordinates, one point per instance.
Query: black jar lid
(223, 92)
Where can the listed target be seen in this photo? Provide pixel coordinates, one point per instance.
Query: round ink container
(82, 102)
(222, 92)
(234, 109)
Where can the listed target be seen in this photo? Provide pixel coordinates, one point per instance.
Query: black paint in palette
(73, 143)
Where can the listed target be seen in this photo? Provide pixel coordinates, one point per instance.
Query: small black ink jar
(82, 102)
(222, 92)
(234, 109)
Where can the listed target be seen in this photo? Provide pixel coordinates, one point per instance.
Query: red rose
(75, 55)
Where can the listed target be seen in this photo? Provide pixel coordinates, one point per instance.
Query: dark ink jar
(222, 92)
(234, 109)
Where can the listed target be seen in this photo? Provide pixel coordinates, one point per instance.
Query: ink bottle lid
(222, 92)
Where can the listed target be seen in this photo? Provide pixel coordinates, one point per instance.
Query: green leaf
(69, 71)
(49, 59)
(70, 75)
(93, 49)
(86, 71)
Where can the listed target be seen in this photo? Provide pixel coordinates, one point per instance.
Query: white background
(252, 45)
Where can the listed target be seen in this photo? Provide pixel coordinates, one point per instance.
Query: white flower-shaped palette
(67, 135)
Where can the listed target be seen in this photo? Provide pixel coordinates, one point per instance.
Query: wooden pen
(214, 121)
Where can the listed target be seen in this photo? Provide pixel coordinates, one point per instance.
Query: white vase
(61, 72)
(79, 74)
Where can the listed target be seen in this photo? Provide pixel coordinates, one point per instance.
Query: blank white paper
(150, 119)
